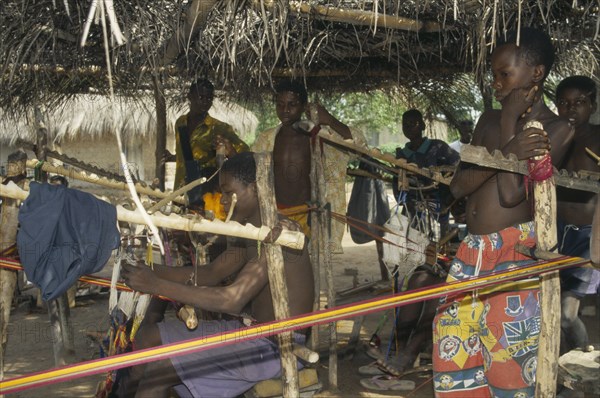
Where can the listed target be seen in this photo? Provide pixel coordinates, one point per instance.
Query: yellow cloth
(334, 184)
(201, 141)
(299, 214)
(212, 202)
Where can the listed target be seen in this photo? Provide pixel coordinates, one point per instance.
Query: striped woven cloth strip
(290, 324)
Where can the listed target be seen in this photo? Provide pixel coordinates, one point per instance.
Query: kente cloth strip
(286, 325)
(64, 233)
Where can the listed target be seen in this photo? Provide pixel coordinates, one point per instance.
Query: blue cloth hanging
(64, 234)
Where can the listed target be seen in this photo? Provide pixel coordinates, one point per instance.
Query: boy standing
(291, 143)
(485, 343)
(576, 101)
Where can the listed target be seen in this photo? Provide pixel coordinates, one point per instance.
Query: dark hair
(293, 86)
(534, 45)
(58, 179)
(581, 83)
(413, 113)
(201, 83)
(242, 166)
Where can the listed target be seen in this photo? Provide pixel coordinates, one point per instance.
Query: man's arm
(228, 262)
(469, 177)
(230, 299)
(326, 118)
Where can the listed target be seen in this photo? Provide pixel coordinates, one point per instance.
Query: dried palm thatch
(244, 45)
(134, 118)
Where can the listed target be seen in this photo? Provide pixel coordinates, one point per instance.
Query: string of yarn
(538, 170)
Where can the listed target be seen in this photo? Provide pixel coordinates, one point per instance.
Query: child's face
(247, 199)
(510, 71)
(289, 107)
(575, 105)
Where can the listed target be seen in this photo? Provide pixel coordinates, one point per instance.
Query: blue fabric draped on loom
(64, 234)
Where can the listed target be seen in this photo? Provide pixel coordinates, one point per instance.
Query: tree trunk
(276, 270)
(161, 132)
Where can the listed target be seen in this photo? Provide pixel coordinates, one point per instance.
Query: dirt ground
(30, 346)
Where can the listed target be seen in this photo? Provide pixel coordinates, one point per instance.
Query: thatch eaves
(246, 44)
(94, 116)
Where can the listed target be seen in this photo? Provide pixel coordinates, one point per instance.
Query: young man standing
(292, 144)
(233, 369)
(576, 101)
(485, 342)
(203, 135)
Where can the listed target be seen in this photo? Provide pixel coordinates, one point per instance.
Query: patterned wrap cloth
(485, 342)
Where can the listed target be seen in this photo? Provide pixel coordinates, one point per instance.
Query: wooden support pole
(325, 245)
(544, 194)
(8, 237)
(276, 270)
(161, 132)
(315, 258)
(324, 248)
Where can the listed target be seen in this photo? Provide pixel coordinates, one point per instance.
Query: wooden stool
(307, 379)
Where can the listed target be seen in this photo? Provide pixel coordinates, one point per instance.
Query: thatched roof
(243, 45)
(91, 115)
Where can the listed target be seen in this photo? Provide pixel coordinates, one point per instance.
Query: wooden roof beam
(358, 17)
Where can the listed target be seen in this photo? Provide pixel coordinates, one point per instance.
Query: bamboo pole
(293, 239)
(105, 182)
(276, 270)
(8, 237)
(544, 194)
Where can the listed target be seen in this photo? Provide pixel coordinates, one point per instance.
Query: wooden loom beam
(106, 182)
(583, 180)
(293, 239)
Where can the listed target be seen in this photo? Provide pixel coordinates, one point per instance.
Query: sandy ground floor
(30, 342)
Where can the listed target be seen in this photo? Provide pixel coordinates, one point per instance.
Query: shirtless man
(494, 331)
(576, 101)
(233, 369)
(290, 143)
